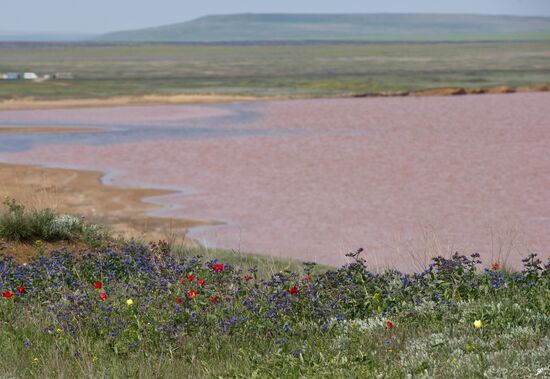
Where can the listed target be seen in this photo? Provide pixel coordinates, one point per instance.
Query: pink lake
(404, 178)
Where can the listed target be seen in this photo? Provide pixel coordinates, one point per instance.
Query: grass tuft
(19, 224)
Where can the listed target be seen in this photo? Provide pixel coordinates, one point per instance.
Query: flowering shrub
(65, 225)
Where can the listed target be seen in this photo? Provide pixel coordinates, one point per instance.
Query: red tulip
(179, 301)
(201, 282)
(293, 290)
(389, 325)
(7, 295)
(214, 299)
(217, 267)
(247, 278)
(191, 294)
(98, 285)
(21, 289)
(495, 266)
(190, 278)
(102, 296)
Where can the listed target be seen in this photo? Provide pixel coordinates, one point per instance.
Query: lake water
(404, 178)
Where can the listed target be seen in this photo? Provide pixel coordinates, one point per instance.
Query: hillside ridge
(376, 26)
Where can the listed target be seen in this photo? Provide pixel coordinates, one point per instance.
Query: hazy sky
(99, 16)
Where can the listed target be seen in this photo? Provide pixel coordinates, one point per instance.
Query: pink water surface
(403, 178)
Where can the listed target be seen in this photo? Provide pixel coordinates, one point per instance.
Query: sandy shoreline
(29, 103)
(82, 193)
(32, 103)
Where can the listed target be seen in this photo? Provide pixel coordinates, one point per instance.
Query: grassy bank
(124, 309)
(272, 70)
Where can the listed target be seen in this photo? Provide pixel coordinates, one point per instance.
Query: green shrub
(19, 224)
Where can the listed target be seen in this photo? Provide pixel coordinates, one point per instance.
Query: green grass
(423, 346)
(282, 70)
(21, 225)
(266, 265)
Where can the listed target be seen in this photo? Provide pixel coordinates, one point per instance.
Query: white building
(30, 76)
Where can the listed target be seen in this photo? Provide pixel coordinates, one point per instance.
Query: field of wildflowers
(131, 310)
(115, 308)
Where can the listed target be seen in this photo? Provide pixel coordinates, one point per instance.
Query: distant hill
(369, 27)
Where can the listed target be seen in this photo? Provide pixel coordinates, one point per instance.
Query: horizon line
(90, 33)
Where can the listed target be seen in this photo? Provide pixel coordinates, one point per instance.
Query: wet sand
(405, 178)
(81, 193)
(32, 103)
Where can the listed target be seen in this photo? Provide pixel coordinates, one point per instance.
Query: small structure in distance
(35, 76)
(11, 76)
(63, 76)
(30, 76)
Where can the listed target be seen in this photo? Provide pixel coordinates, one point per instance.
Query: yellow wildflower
(478, 324)
(129, 302)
